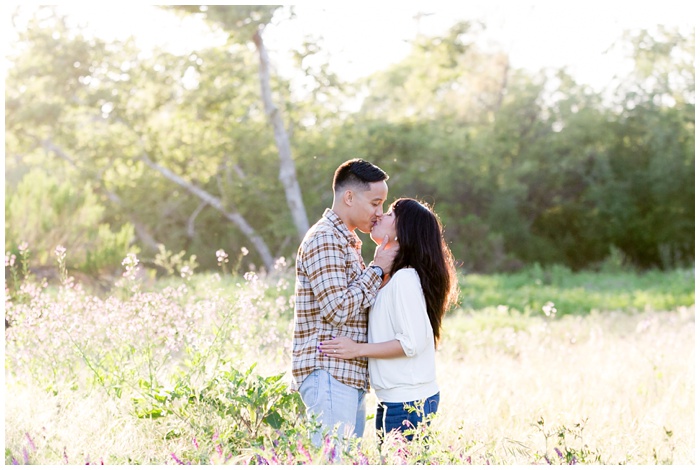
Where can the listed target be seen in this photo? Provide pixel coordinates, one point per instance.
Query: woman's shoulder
(406, 275)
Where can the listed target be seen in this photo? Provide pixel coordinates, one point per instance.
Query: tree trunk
(287, 175)
(233, 216)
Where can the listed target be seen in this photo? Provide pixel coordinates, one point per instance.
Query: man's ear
(348, 197)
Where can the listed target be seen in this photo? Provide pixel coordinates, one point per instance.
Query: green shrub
(45, 212)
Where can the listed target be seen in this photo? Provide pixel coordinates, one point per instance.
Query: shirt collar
(352, 237)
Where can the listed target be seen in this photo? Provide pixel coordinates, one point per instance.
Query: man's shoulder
(322, 231)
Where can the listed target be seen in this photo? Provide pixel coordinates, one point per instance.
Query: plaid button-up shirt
(333, 293)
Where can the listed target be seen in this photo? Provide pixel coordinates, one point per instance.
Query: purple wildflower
(14, 461)
(196, 444)
(178, 461)
(363, 460)
(31, 442)
(303, 451)
(556, 449)
(25, 454)
(329, 449)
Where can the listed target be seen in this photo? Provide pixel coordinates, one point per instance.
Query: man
(334, 291)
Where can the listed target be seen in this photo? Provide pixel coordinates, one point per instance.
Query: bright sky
(536, 34)
(362, 37)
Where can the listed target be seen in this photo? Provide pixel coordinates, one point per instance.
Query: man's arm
(325, 263)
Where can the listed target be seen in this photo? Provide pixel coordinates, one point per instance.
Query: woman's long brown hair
(423, 248)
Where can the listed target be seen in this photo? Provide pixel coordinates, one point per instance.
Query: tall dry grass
(608, 387)
(628, 380)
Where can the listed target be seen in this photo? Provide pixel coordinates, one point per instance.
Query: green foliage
(239, 21)
(522, 167)
(565, 453)
(529, 291)
(237, 410)
(45, 213)
(175, 263)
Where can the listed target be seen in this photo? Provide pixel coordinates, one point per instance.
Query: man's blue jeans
(399, 416)
(333, 402)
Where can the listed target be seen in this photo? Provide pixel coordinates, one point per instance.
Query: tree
(110, 115)
(246, 23)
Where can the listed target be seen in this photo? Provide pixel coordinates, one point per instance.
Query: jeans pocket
(309, 390)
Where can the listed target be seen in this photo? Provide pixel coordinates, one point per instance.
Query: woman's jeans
(404, 416)
(333, 403)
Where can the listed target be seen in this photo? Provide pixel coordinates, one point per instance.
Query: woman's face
(385, 225)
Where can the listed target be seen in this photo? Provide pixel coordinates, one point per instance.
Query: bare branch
(141, 231)
(190, 222)
(217, 204)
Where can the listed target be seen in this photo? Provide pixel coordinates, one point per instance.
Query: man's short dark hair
(357, 172)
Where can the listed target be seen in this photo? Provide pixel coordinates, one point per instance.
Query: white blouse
(399, 312)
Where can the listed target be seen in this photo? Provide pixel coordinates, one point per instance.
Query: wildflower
(60, 252)
(329, 449)
(363, 460)
(196, 444)
(280, 263)
(23, 247)
(186, 272)
(131, 267)
(179, 462)
(549, 309)
(302, 450)
(556, 449)
(31, 442)
(250, 276)
(221, 257)
(10, 259)
(244, 251)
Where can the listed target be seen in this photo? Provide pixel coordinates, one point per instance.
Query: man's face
(368, 206)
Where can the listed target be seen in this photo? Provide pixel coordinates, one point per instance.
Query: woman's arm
(345, 348)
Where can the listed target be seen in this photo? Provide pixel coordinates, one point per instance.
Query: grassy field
(544, 366)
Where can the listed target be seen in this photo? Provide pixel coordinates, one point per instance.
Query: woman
(404, 322)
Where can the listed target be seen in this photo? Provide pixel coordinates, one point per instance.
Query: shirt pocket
(353, 268)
